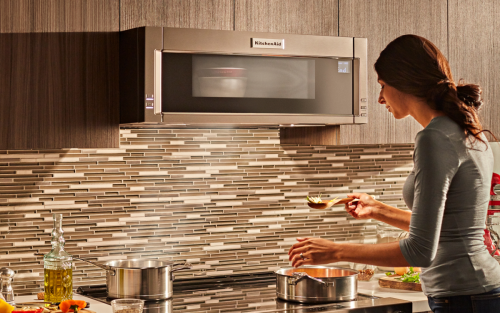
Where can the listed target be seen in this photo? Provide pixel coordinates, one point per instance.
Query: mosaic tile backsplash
(226, 200)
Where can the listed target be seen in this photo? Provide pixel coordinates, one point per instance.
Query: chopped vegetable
(5, 307)
(314, 199)
(401, 270)
(410, 277)
(317, 199)
(72, 305)
(366, 274)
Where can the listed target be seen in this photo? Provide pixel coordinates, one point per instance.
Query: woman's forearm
(392, 216)
(322, 251)
(384, 254)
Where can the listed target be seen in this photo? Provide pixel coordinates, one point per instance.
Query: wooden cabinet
(205, 14)
(381, 21)
(312, 136)
(34, 115)
(59, 74)
(21, 16)
(306, 17)
(474, 37)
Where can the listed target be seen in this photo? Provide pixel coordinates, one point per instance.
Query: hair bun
(470, 94)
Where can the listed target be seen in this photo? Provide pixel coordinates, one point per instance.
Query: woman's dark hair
(415, 66)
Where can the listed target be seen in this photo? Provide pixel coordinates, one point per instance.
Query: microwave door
(227, 84)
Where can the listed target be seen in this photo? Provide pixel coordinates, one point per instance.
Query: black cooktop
(243, 293)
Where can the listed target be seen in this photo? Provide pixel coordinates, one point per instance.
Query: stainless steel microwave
(176, 77)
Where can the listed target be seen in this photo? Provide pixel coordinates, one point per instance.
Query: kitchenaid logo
(268, 43)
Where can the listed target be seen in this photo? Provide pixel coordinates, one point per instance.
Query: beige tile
(225, 195)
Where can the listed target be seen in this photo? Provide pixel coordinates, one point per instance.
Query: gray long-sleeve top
(448, 193)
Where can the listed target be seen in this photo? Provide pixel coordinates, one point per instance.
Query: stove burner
(238, 293)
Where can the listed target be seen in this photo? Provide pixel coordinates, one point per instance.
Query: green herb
(389, 273)
(410, 277)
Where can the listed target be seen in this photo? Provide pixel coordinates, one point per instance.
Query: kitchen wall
(228, 201)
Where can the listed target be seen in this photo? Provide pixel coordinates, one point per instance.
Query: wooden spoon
(326, 205)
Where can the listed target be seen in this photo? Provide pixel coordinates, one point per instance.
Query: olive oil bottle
(58, 267)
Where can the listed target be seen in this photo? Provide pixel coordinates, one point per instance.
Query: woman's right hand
(364, 208)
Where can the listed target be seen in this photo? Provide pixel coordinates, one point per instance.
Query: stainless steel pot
(316, 284)
(140, 278)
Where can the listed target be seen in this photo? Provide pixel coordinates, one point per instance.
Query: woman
(447, 191)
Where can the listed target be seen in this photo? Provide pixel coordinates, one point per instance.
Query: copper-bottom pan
(316, 284)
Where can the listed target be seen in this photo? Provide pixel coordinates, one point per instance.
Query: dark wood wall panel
(311, 17)
(205, 14)
(381, 21)
(59, 90)
(474, 30)
(307, 17)
(58, 15)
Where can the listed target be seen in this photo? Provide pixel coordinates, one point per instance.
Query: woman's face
(394, 100)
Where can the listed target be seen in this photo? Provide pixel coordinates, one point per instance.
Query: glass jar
(365, 271)
(58, 267)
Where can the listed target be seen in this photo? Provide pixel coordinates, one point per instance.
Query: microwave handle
(157, 83)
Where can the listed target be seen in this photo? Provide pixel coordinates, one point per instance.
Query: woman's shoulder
(432, 139)
(444, 124)
(441, 128)
(444, 134)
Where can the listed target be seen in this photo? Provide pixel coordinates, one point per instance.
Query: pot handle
(108, 268)
(184, 266)
(301, 275)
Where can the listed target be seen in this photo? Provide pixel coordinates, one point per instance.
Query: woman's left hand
(312, 251)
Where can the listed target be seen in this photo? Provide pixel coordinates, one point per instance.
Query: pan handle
(301, 275)
(108, 268)
(184, 266)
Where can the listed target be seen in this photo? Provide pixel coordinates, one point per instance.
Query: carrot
(73, 305)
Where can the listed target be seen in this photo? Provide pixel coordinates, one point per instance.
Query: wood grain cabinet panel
(474, 52)
(204, 14)
(311, 136)
(59, 74)
(20, 16)
(59, 90)
(306, 17)
(381, 21)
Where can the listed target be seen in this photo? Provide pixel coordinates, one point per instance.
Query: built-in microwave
(218, 78)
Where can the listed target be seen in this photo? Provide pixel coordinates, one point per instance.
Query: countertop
(371, 287)
(96, 306)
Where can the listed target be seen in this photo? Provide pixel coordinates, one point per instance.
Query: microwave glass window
(205, 83)
(253, 77)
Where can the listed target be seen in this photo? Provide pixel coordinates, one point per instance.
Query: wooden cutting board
(392, 282)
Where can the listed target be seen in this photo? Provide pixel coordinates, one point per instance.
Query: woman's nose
(381, 99)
